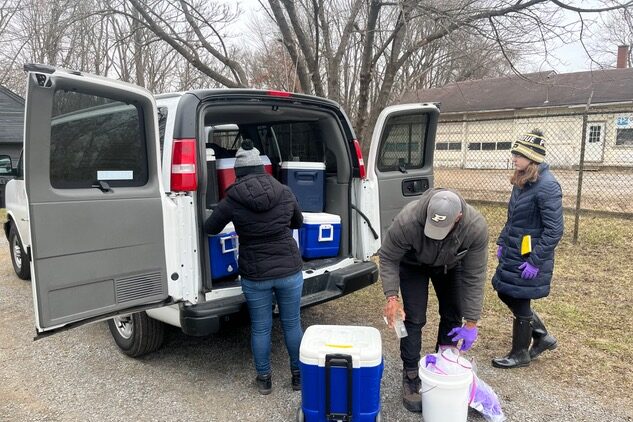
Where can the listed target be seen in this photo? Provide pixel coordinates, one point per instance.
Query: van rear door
(94, 198)
(399, 166)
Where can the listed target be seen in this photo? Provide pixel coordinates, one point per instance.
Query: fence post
(581, 168)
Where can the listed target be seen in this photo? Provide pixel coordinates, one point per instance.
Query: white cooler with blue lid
(341, 370)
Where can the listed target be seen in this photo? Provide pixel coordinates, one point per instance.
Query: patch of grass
(3, 215)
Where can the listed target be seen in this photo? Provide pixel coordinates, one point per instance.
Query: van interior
(282, 133)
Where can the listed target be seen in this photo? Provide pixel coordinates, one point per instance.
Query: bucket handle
(432, 388)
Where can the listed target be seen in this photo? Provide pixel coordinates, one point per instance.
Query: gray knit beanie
(247, 159)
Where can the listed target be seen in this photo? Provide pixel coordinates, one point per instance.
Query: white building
(480, 119)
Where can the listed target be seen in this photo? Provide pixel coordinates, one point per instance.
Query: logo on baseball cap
(441, 213)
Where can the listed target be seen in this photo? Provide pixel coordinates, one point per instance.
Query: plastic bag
(486, 402)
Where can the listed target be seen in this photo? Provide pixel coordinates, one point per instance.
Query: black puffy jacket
(536, 210)
(264, 212)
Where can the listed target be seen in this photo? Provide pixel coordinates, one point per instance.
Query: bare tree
(407, 44)
(613, 30)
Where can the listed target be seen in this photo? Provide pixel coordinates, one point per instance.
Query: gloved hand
(468, 334)
(529, 271)
(499, 249)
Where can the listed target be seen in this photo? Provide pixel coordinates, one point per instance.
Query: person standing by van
(526, 248)
(264, 212)
(442, 238)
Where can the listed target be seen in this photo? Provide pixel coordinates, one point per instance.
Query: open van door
(399, 166)
(94, 198)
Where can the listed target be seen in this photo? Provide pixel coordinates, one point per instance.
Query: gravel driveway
(80, 375)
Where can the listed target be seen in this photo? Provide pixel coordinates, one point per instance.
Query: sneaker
(296, 379)
(264, 384)
(411, 398)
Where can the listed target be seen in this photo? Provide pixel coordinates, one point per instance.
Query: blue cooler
(223, 249)
(341, 369)
(320, 235)
(307, 181)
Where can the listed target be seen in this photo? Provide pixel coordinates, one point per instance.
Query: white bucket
(445, 397)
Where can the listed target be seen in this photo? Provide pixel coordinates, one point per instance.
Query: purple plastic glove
(499, 248)
(469, 335)
(529, 271)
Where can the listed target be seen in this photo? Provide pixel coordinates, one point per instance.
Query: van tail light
(183, 166)
(361, 162)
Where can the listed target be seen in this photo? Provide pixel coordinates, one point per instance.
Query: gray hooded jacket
(465, 248)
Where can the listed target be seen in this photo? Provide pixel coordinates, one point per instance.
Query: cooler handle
(224, 240)
(342, 361)
(322, 229)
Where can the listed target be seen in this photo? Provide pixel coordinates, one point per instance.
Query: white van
(110, 200)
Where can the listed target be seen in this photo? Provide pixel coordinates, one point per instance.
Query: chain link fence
(589, 151)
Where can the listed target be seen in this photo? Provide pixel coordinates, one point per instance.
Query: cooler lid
(362, 343)
(229, 228)
(229, 163)
(320, 218)
(302, 165)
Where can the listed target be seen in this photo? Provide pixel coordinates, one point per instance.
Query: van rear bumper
(332, 285)
(205, 318)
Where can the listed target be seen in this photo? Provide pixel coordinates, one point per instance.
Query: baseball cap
(441, 213)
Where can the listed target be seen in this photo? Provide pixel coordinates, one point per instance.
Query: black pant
(414, 288)
(519, 307)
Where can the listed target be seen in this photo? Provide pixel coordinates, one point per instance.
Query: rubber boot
(411, 383)
(296, 379)
(264, 384)
(521, 337)
(541, 340)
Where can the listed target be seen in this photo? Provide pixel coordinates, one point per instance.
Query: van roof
(248, 92)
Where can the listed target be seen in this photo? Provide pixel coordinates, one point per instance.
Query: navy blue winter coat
(537, 210)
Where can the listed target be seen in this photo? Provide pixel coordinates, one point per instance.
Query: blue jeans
(259, 298)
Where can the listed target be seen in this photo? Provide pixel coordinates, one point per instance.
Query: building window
(489, 146)
(595, 133)
(448, 146)
(624, 137)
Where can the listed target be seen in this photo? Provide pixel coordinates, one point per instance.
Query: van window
(403, 142)
(95, 138)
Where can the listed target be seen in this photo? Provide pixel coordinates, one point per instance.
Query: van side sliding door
(94, 198)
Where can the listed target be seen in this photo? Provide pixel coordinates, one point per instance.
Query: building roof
(543, 89)
(11, 116)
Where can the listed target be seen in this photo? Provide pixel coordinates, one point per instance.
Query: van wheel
(137, 334)
(19, 257)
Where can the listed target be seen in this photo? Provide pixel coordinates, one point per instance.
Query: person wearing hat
(264, 212)
(442, 238)
(526, 248)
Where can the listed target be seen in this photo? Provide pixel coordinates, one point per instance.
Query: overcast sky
(566, 57)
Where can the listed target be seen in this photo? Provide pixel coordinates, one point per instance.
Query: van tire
(19, 256)
(137, 334)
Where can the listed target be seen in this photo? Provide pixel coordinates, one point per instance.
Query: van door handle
(412, 187)
(103, 186)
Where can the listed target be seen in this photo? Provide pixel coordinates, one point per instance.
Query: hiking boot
(521, 338)
(541, 339)
(411, 398)
(264, 384)
(296, 379)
